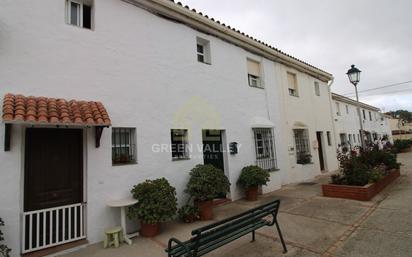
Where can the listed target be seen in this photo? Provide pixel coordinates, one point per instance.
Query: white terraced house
(347, 127)
(101, 95)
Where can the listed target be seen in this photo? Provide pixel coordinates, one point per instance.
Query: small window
(337, 109)
(354, 138)
(364, 114)
(79, 14)
(358, 138)
(179, 139)
(253, 71)
(292, 84)
(317, 89)
(265, 148)
(123, 145)
(347, 109)
(328, 138)
(370, 116)
(203, 50)
(350, 139)
(303, 155)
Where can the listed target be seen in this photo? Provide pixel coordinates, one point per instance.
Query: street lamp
(354, 78)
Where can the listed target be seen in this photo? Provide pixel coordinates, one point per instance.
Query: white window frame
(266, 144)
(79, 13)
(317, 88)
(206, 50)
(337, 108)
(293, 91)
(185, 143)
(302, 145)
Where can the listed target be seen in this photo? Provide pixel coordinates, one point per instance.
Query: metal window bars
(123, 145)
(265, 148)
(303, 155)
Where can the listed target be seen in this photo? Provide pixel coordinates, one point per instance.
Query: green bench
(213, 236)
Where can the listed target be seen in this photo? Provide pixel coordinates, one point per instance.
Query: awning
(261, 122)
(31, 110)
(299, 125)
(53, 111)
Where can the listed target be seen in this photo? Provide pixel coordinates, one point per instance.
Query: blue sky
(375, 35)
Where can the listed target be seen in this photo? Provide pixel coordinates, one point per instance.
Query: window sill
(274, 170)
(124, 163)
(294, 95)
(80, 27)
(309, 163)
(256, 87)
(207, 63)
(181, 159)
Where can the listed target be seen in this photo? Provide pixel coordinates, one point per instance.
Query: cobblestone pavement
(312, 225)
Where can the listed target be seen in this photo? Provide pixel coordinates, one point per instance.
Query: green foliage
(188, 211)
(206, 182)
(4, 250)
(401, 114)
(253, 175)
(368, 167)
(399, 145)
(157, 201)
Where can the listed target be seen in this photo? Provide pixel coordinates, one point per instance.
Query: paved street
(312, 225)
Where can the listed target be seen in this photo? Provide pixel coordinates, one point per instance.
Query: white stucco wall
(144, 69)
(348, 122)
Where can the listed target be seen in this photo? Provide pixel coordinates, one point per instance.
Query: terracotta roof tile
(51, 110)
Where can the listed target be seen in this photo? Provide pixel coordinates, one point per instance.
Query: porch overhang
(261, 122)
(52, 112)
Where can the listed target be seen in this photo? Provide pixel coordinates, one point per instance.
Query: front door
(53, 168)
(213, 151)
(320, 150)
(54, 212)
(212, 148)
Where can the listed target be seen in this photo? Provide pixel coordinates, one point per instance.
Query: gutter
(169, 9)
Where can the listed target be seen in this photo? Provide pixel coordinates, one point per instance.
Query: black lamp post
(354, 78)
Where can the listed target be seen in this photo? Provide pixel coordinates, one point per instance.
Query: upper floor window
(317, 89)
(179, 140)
(370, 116)
(292, 84)
(253, 73)
(203, 50)
(364, 114)
(79, 13)
(347, 109)
(265, 148)
(337, 109)
(123, 145)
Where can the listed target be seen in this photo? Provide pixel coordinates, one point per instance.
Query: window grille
(302, 146)
(179, 144)
(123, 145)
(265, 148)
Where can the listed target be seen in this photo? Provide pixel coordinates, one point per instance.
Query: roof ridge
(178, 3)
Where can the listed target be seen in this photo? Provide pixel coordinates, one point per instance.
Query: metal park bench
(213, 236)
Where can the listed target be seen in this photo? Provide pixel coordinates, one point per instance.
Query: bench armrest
(178, 242)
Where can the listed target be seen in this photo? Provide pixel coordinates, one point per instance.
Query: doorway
(319, 136)
(53, 188)
(213, 148)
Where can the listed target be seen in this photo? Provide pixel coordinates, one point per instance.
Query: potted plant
(188, 213)
(4, 250)
(205, 183)
(157, 203)
(251, 177)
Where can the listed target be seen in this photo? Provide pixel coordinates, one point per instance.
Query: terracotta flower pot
(206, 209)
(252, 193)
(149, 230)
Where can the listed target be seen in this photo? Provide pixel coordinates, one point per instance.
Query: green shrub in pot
(157, 203)
(4, 250)
(252, 176)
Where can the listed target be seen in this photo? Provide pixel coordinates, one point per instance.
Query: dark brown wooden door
(320, 150)
(53, 168)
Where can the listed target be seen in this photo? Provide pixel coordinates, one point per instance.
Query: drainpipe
(331, 113)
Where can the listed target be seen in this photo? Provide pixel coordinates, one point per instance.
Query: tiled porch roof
(56, 111)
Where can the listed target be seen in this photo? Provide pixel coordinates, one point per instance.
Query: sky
(375, 35)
